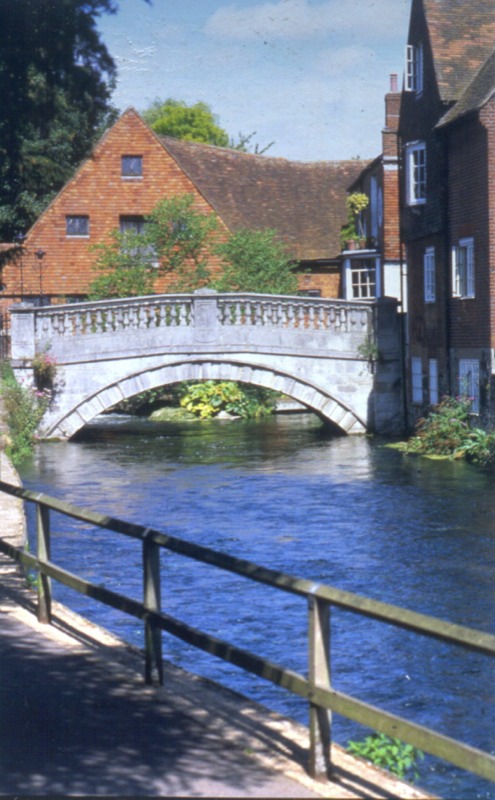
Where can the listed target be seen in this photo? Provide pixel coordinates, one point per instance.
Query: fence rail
(315, 688)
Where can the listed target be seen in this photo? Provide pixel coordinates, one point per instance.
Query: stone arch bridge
(341, 359)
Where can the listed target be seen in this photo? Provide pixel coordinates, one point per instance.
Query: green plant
(388, 753)
(255, 261)
(45, 369)
(356, 203)
(175, 239)
(368, 350)
(24, 409)
(209, 398)
(447, 431)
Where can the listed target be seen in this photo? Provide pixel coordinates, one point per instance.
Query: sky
(308, 75)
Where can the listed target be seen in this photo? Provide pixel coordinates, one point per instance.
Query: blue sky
(310, 75)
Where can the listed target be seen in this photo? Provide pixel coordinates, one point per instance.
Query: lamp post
(40, 254)
(19, 240)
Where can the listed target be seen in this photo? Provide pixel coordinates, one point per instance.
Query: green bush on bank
(388, 753)
(448, 431)
(23, 407)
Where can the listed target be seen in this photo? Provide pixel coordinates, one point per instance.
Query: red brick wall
(469, 214)
(99, 190)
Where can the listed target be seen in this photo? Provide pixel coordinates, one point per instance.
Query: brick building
(132, 168)
(447, 135)
(374, 269)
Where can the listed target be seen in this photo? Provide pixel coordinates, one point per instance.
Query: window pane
(363, 279)
(132, 166)
(77, 225)
(433, 381)
(429, 275)
(469, 381)
(417, 379)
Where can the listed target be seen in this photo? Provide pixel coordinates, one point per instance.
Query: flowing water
(282, 492)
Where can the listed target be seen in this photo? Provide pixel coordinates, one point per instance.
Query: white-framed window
(469, 381)
(416, 173)
(463, 268)
(414, 68)
(363, 278)
(433, 381)
(132, 166)
(417, 379)
(429, 275)
(77, 225)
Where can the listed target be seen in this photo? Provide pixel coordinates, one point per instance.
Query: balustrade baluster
(321, 318)
(311, 317)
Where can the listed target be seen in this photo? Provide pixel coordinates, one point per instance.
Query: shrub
(447, 430)
(209, 398)
(24, 408)
(388, 753)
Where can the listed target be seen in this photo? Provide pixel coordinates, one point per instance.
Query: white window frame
(433, 381)
(463, 269)
(360, 290)
(414, 68)
(417, 379)
(416, 173)
(469, 381)
(77, 226)
(429, 272)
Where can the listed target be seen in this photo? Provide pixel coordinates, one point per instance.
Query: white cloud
(303, 19)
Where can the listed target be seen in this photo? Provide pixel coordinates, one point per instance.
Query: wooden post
(43, 547)
(152, 634)
(320, 719)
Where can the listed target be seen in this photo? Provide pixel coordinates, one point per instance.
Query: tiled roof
(304, 202)
(479, 91)
(462, 36)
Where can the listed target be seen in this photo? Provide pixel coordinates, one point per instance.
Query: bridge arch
(318, 400)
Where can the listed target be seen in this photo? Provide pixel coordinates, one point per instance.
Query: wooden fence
(316, 688)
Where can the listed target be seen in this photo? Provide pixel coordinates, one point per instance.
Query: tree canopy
(195, 123)
(55, 83)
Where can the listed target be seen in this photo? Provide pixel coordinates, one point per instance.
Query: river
(284, 493)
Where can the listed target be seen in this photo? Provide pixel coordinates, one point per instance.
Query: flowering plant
(45, 370)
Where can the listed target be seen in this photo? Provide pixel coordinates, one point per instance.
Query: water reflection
(345, 511)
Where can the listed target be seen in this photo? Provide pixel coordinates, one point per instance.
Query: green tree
(255, 261)
(176, 239)
(195, 123)
(55, 83)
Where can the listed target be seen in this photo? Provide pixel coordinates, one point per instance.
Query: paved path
(77, 719)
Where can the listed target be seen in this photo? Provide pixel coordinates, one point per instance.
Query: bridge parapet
(35, 327)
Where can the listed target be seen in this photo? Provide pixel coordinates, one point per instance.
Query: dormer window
(132, 166)
(414, 68)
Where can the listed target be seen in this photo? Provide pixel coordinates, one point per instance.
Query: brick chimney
(392, 110)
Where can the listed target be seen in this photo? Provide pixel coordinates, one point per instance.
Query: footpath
(77, 720)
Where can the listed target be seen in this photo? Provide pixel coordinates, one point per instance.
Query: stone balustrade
(203, 309)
